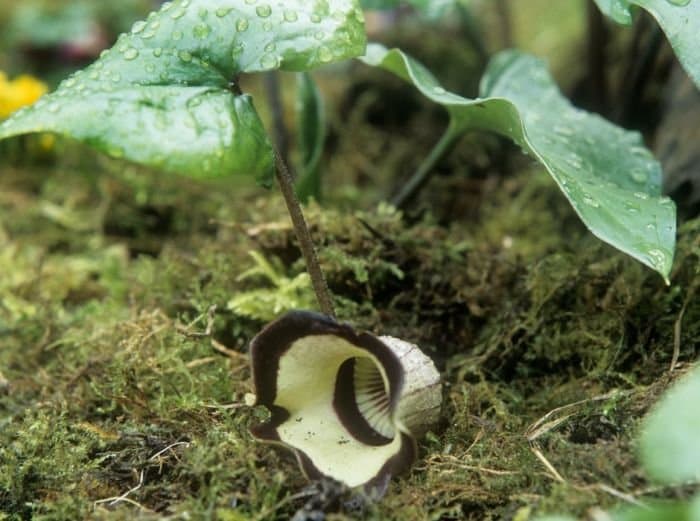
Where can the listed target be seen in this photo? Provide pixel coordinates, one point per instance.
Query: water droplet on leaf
(201, 31)
(590, 201)
(269, 61)
(324, 54)
(138, 27)
(263, 11)
(242, 25)
(131, 54)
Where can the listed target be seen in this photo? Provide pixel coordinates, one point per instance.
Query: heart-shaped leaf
(609, 177)
(164, 94)
(679, 19)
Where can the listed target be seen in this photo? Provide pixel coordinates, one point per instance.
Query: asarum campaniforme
(349, 405)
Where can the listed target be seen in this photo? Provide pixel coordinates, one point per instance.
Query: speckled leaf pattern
(669, 441)
(609, 177)
(679, 19)
(162, 96)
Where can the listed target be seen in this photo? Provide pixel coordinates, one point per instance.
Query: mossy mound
(124, 367)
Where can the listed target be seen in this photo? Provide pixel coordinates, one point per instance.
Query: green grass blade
(311, 129)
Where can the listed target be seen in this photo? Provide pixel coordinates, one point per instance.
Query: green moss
(112, 323)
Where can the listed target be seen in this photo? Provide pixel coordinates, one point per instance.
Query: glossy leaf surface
(669, 441)
(162, 96)
(609, 177)
(679, 19)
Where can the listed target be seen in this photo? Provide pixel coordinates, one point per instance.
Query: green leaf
(311, 123)
(679, 19)
(669, 445)
(162, 95)
(661, 512)
(431, 9)
(609, 177)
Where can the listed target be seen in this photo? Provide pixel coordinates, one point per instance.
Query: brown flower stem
(306, 245)
(274, 99)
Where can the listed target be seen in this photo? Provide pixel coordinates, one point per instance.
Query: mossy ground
(123, 368)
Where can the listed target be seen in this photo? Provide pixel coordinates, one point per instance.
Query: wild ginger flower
(348, 404)
(23, 90)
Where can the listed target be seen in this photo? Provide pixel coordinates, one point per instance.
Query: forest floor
(123, 363)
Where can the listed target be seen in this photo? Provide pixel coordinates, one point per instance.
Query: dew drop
(574, 161)
(651, 226)
(679, 2)
(54, 107)
(267, 26)
(590, 201)
(269, 61)
(631, 208)
(223, 11)
(177, 35)
(237, 50)
(93, 75)
(319, 35)
(657, 257)
(315, 18)
(154, 25)
(185, 56)
(150, 68)
(115, 77)
(166, 6)
(324, 54)
(290, 16)
(138, 27)
(563, 131)
(270, 47)
(70, 82)
(201, 31)
(242, 25)
(639, 151)
(157, 52)
(641, 195)
(131, 54)
(179, 13)
(263, 11)
(638, 176)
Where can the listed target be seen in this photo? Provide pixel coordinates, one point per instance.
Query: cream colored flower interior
(350, 444)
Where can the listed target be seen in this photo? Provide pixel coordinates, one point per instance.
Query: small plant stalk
(426, 168)
(318, 281)
(274, 98)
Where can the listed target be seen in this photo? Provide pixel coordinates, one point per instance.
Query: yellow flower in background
(23, 90)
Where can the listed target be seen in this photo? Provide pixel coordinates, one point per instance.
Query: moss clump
(124, 370)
